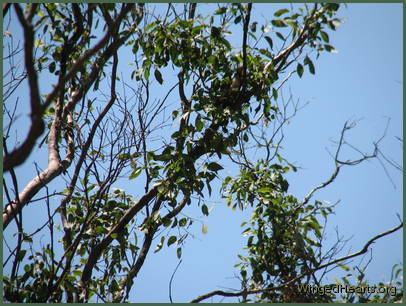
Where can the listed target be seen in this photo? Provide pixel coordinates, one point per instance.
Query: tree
(98, 134)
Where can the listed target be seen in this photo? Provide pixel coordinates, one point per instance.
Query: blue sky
(362, 81)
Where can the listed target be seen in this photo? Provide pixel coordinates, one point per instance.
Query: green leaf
(27, 268)
(220, 10)
(269, 40)
(172, 240)
(324, 36)
(160, 244)
(51, 67)
(135, 173)
(264, 190)
(21, 255)
(182, 222)
(332, 6)
(158, 76)
(292, 24)
(146, 73)
(280, 12)
(123, 156)
(77, 273)
(346, 268)
(179, 253)
(279, 23)
(205, 210)
(299, 70)
(226, 43)
(307, 61)
(265, 52)
(275, 94)
(214, 167)
(151, 25)
(330, 48)
(280, 36)
(166, 222)
(175, 114)
(249, 242)
(199, 123)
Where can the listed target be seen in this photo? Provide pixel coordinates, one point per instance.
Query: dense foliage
(97, 133)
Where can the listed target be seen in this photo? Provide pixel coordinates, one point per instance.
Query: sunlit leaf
(205, 229)
(280, 12)
(279, 23)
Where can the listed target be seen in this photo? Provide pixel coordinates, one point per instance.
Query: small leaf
(166, 222)
(280, 36)
(175, 114)
(249, 242)
(346, 268)
(279, 23)
(269, 40)
(330, 48)
(299, 70)
(275, 94)
(77, 273)
(332, 6)
(324, 36)
(205, 229)
(307, 61)
(280, 12)
(151, 25)
(21, 255)
(146, 74)
(220, 10)
(135, 173)
(51, 67)
(179, 253)
(292, 24)
(237, 19)
(182, 222)
(172, 240)
(158, 76)
(214, 167)
(264, 190)
(205, 210)
(265, 52)
(199, 123)
(159, 245)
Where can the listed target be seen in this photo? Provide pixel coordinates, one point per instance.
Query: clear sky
(362, 81)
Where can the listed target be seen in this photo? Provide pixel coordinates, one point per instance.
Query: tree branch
(255, 291)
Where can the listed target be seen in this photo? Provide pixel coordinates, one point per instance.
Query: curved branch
(6, 7)
(283, 56)
(20, 154)
(98, 249)
(255, 291)
(127, 283)
(56, 167)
